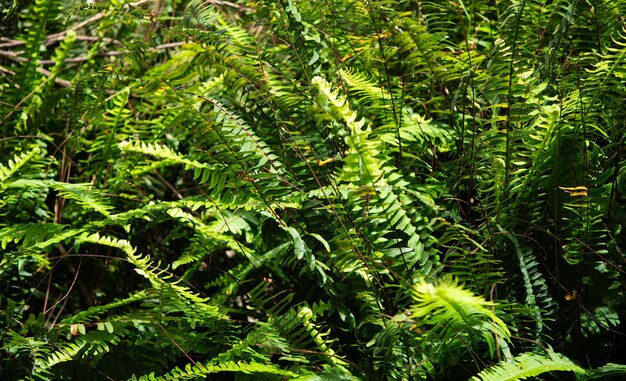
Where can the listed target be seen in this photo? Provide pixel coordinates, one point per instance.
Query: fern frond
(536, 294)
(16, 163)
(367, 175)
(448, 303)
(193, 371)
(528, 365)
(606, 372)
(83, 194)
(201, 170)
(361, 84)
(146, 268)
(93, 343)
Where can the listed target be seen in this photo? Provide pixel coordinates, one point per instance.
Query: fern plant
(311, 190)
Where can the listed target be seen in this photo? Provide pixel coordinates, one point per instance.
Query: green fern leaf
(451, 309)
(528, 365)
(194, 371)
(16, 163)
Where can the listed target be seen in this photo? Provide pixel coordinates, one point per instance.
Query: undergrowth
(332, 190)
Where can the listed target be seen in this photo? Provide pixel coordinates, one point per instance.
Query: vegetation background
(320, 190)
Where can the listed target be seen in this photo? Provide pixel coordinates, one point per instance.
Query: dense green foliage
(320, 190)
